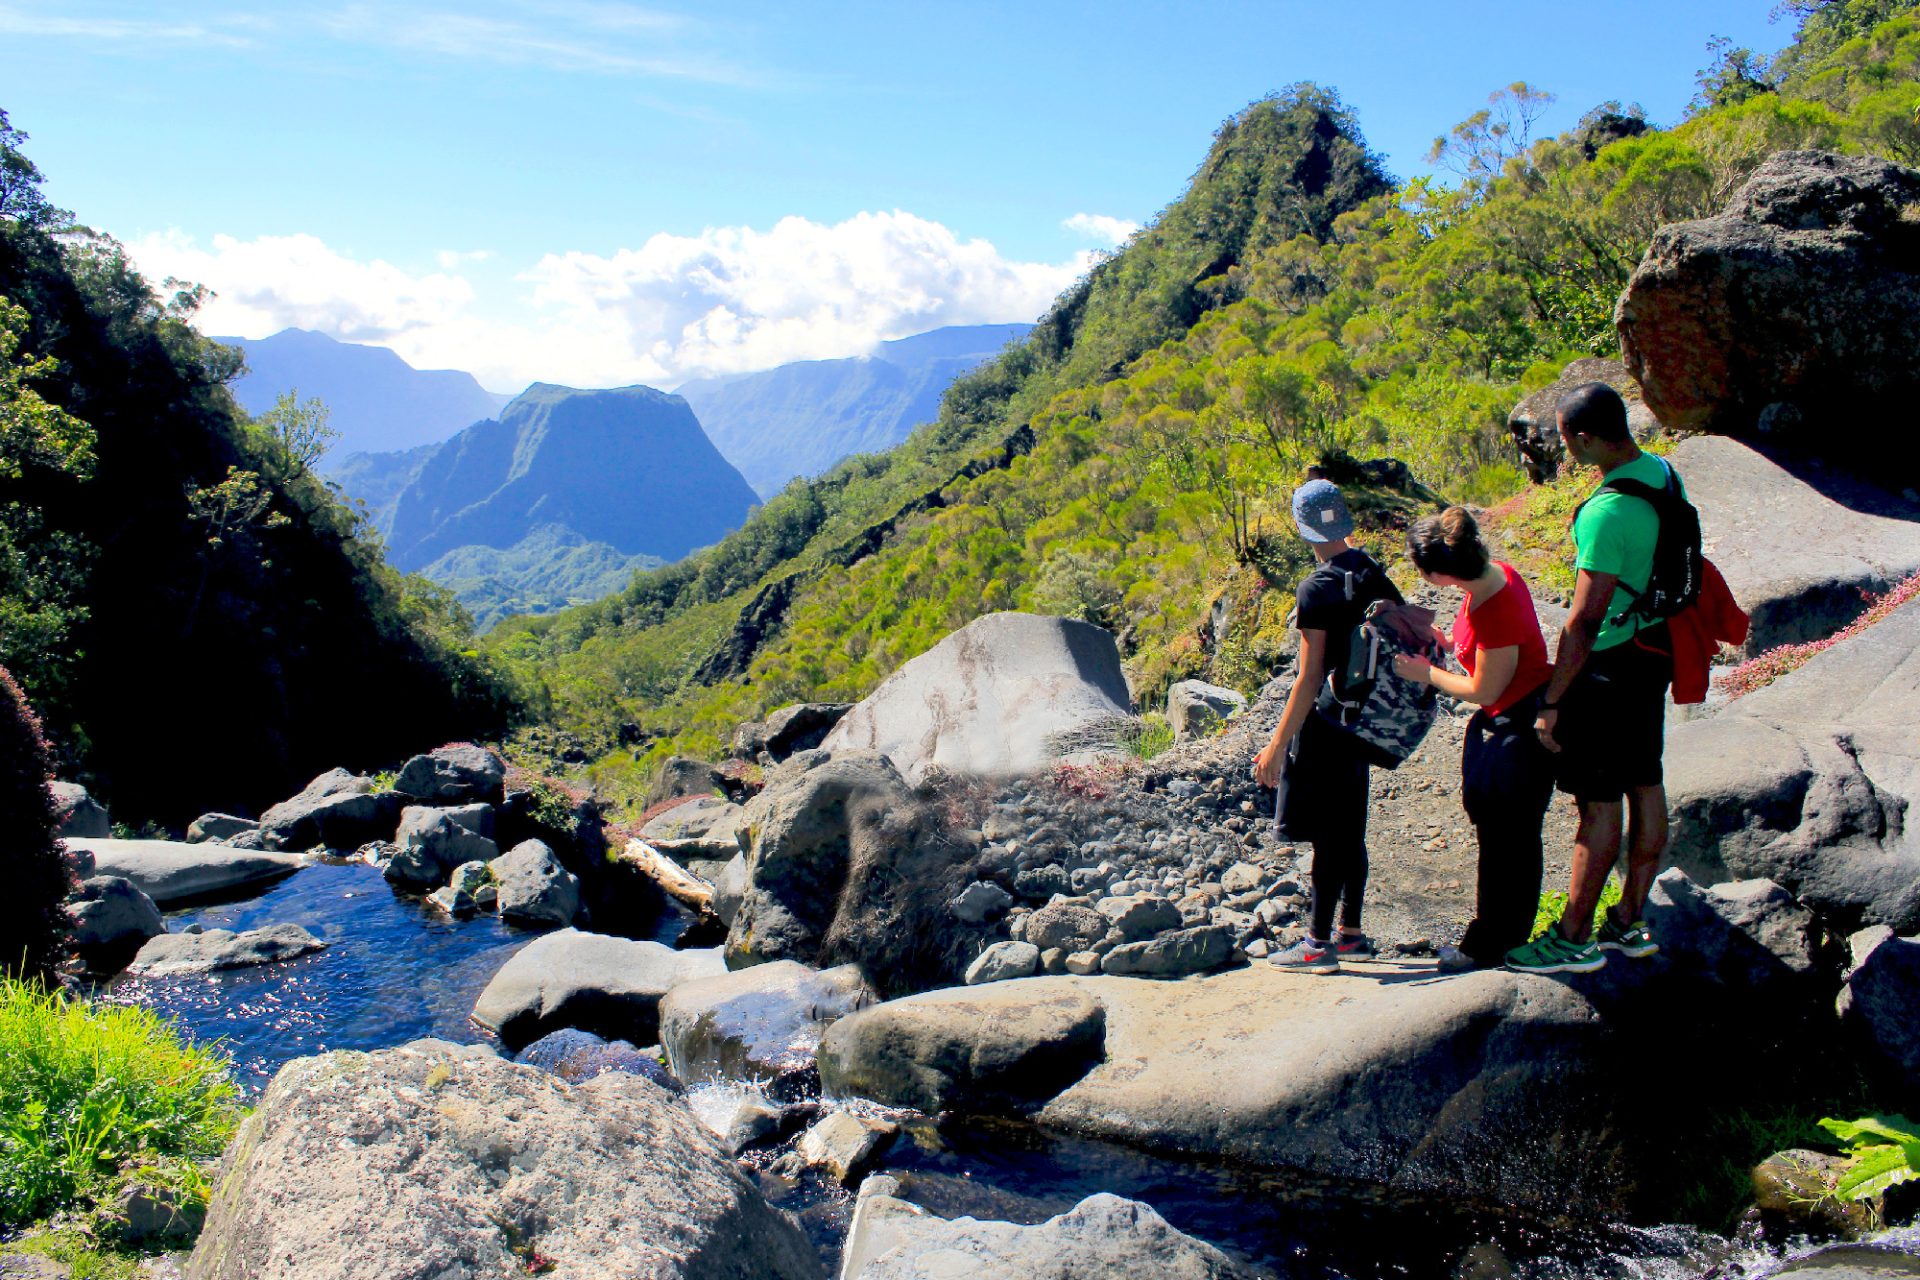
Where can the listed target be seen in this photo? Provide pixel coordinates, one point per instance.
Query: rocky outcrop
(1491, 1083)
(173, 954)
(1534, 423)
(800, 727)
(1103, 1235)
(700, 817)
(432, 1161)
(1195, 707)
(170, 872)
(460, 773)
(1809, 781)
(848, 866)
(1003, 1048)
(609, 986)
(338, 809)
(1799, 547)
(1880, 1006)
(1749, 936)
(1004, 695)
(433, 841)
(534, 888)
(111, 915)
(77, 812)
(760, 1023)
(1794, 312)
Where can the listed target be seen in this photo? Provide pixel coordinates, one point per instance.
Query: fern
(1882, 1153)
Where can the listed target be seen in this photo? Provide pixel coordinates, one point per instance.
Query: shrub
(33, 922)
(1553, 905)
(87, 1090)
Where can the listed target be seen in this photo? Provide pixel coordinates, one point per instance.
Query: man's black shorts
(1612, 724)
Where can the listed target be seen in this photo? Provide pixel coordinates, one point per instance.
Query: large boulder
(1880, 1007)
(609, 986)
(681, 776)
(338, 809)
(1492, 1083)
(433, 1161)
(218, 826)
(1103, 1235)
(1755, 522)
(761, 1023)
(800, 727)
(1799, 303)
(170, 872)
(703, 817)
(432, 842)
(534, 888)
(1003, 696)
(847, 865)
(111, 915)
(1808, 782)
(173, 954)
(77, 812)
(458, 774)
(1750, 936)
(1534, 423)
(1002, 1047)
(1196, 708)
(1174, 954)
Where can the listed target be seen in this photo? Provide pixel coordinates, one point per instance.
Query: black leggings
(1506, 783)
(1327, 796)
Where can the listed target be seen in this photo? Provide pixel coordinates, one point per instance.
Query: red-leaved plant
(33, 919)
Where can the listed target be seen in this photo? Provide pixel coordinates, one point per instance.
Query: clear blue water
(395, 970)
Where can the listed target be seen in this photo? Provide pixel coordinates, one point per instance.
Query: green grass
(1553, 905)
(1149, 738)
(89, 1091)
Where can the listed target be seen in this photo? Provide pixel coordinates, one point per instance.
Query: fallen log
(674, 880)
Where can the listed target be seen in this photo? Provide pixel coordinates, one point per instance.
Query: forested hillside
(1129, 462)
(197, 620)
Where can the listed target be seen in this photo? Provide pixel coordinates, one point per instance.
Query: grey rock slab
(980, 901)
(110, 912)
(77, 812)
(1004, 960)
(1750, 935)
(432, 1161)
(338, 809)
(844, 1144)
(609, 986)
(1195, 708)
(534, 888)
(218, 826)
(1880, 1009)
(1173, 954)
(1001, 697)
(1808, 781)
(1756, 523)
(801, 727)
(169, 871)
(760, 1023)
(1104, 1235)
(705, 817)
(1138, 916)
(1006, 1047)
(433, 841)
(457, 774)
(173, 954)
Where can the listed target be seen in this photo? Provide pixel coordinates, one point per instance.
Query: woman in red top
(1506, 775)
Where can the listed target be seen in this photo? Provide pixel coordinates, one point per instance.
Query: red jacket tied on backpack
(1698, 631)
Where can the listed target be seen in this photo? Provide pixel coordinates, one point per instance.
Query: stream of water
(397, 970)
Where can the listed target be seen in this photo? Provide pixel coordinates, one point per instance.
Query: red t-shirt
(1505, 618)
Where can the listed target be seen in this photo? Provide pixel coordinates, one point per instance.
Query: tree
(1479, 147)
(21, 200)
(33, 923)
(1734, 76)
(298, 428)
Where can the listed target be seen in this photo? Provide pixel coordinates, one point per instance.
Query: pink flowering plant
(1761, 671)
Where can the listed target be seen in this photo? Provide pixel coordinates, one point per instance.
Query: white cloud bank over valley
(728, 300)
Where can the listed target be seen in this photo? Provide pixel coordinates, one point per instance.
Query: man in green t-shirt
(1603, 714)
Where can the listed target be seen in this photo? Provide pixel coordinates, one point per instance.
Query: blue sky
(601, 192)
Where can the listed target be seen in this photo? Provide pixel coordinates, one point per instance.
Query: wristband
(1549, 706)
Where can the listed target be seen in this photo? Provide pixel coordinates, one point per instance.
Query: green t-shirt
(1615, 533)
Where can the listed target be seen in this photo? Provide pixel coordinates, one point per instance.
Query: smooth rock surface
(433, 841)
(110, 913)
(173, 954)
(1196, 708)
(800, 727)
(1754, 520)
(169, 871)
(218, 826)
(439, 1162)
(578, 1056)
(609, 986)
(534, 888)
(1004, 695)
(338, 809)
(844, 1144)
(78, 813)
(1003, 960)
(1006, 1047)
(758, 1023)
(1808, 782)
(458, 774)
(704, 817)
(1174, 954)
(1104, 1235)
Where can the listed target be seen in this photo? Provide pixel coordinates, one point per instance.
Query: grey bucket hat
(1320, 513)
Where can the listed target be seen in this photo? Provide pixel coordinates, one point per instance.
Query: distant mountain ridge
(379, 403)
(799, 419)
(628, 467)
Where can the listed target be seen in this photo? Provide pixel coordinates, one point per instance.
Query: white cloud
(728, 300)
(1098, 226)
(139, 29)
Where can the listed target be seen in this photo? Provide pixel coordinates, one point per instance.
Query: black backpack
(1678, 559)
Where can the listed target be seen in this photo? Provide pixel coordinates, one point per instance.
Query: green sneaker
(1551, 953)
(1634, 940)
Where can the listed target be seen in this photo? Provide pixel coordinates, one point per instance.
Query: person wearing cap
(1326, 770)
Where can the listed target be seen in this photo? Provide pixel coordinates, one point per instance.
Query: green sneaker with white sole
(1634, 939)
(1551, 953)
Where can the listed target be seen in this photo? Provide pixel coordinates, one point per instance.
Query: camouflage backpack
(1390, 716)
